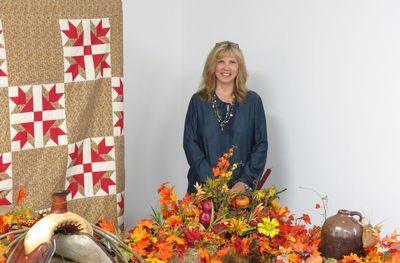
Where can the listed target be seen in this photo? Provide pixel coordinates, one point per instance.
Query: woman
(222, 114)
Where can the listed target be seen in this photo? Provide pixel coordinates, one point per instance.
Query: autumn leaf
(204, 256)
(306, 218)
(107, 226)
(164, 251)
(21, 196)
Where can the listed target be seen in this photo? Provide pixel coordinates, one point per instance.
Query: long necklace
(228, 115)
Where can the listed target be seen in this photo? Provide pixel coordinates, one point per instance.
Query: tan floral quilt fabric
(61, 105)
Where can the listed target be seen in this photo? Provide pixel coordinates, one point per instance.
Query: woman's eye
(232, 61)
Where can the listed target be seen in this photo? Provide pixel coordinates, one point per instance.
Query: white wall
(328, 75)
(153, 103)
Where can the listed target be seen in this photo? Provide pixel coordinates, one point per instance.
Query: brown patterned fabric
(61, 105)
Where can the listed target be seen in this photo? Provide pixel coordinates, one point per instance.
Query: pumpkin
(242, 201)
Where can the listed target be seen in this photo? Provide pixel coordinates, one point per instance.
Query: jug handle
(355, 213)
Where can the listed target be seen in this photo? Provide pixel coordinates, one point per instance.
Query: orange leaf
(164, 251)
(110, 227)
(204, 256)
(306, 219)
(21, 196)
(223, 252)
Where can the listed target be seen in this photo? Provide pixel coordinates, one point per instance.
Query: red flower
(191, 236)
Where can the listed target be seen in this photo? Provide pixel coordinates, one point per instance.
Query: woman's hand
(239, 187)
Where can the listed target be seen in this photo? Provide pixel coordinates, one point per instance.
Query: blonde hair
(208, 82)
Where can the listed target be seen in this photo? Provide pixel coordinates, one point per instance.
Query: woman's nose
(226, 66)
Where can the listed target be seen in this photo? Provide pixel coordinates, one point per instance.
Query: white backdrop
(327, 71)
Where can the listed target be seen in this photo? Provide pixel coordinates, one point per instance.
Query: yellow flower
(175, 239)
(155, 260)
(234, 166)
(260, 195)
(268, 227)
(373, 257)
(225, 188)
(291, 238)
(174, 197)
(237, 226)
(139, 234)
(7, 219)
(227, 175)
(272, 191)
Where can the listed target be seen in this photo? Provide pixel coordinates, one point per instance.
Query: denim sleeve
(191, 144)
(254, 167)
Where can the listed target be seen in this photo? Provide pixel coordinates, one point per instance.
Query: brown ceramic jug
(341, 235)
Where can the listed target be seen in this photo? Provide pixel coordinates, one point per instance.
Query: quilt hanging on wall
(61, 105)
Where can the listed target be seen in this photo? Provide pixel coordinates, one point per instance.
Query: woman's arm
(254, 167)
(191, 144)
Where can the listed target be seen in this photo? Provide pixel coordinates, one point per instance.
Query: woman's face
(226, 70)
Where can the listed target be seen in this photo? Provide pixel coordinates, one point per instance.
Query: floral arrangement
(218, 225)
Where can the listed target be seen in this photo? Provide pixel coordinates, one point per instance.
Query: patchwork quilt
(61, 105)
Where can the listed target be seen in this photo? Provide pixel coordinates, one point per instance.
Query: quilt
(61, 105)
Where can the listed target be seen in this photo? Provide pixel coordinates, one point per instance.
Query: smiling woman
(224, 113)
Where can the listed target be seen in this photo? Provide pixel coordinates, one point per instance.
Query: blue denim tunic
(204, 141)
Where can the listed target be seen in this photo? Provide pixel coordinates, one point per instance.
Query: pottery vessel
(341, 235)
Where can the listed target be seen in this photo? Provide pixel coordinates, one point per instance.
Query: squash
(242, 201)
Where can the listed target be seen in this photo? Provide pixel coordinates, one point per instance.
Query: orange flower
(173, 222)
(110, 227)
(373, 256)
(148, 223)
(293, 257)
(141, 248)
(216, 171)
(352, 258)
(164, 251)
(3, 226)
(175, 239)
(204, 256)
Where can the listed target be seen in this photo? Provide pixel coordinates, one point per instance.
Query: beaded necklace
(228, 115)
